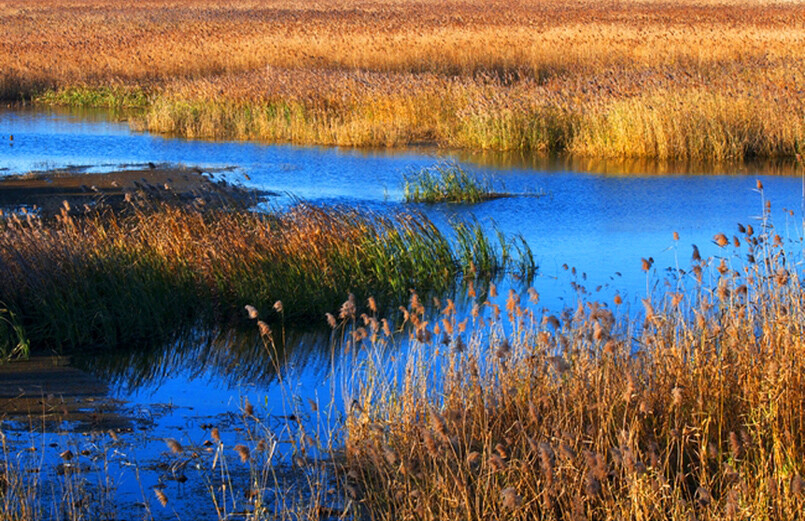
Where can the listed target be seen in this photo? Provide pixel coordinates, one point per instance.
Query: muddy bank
(46, 192)
(46, 392)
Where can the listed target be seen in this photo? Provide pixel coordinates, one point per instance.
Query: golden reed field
(692, 79)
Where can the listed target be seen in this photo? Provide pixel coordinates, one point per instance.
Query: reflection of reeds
(693, 409)
(111, 279)
(630, 79)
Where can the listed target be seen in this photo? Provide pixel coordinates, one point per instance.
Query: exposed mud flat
(45, 392)
(46, 192)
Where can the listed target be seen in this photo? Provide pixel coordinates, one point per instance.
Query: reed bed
(691, 410)
(693, 79)
(118, 278)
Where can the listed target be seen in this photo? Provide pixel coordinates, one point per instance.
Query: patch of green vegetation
(13, 340)
(447, 182)
(111, 97)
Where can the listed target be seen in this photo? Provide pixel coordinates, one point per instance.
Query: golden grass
(694, 410)
(544, 76)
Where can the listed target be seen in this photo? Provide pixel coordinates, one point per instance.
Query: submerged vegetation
(114, 278)
(687, 80)
(446, 182)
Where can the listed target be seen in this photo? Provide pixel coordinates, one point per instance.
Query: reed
(115, 278)
(693, 408)
(689, 79)
(446, 182)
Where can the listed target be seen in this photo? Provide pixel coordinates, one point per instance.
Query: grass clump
(446, 182)
(109, 97)
(115, 278)
(693, 409)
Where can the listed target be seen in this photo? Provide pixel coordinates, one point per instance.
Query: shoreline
(46, 192)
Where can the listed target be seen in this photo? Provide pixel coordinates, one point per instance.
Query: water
(598, 217)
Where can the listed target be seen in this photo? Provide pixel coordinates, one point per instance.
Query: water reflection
(229, 357)
(627, 167)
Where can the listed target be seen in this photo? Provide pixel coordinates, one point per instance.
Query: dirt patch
(46, 192)
(45, 392)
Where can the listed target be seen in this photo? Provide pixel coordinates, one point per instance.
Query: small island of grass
(447, 182)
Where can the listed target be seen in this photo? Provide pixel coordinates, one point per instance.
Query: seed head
(510, 498)
(174, 446)
(243, 452)
(473, 459)
(330, 320)
(703, 497)
(161, 497)
(676, 396)
(797, 485)
(264, 328)
(496, 462)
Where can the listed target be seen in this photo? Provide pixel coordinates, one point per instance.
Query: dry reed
(692, 410)
(692, 79)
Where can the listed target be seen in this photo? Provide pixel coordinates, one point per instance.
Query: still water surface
(597, 217)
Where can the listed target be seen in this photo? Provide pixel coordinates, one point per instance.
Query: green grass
(13, 341)
(86, 96)
(446, 182)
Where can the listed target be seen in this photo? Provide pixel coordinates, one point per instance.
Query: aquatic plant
(115, 278)
(13, 341)
(693, 407)
(446, 182)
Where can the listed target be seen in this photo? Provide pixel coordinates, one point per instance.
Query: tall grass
(686, 79)
(112, 279)
(692, 410)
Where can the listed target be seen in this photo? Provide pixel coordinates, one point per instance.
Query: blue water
(594, 219)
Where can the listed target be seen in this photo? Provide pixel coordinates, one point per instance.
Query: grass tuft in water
(447, 182)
